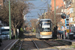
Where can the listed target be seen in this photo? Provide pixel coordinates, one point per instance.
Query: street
(6, 44)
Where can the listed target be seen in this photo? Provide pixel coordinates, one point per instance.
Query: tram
(43, 29)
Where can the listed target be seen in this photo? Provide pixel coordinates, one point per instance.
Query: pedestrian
(55, 32)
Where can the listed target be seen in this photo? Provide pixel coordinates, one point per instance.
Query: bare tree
(33, 23)
(17, 14)
(50, 15)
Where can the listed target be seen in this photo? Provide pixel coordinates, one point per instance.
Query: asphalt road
(6, 43)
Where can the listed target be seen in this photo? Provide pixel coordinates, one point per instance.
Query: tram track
(56, 42)
(20, 45)
(48, 43)
(38, 44)
(35, 45)
(63, 42)
(32, 43)
(45, 43)
(28, 43)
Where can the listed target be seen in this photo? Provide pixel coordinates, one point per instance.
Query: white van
(5, 32)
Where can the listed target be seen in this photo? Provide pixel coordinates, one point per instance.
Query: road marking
(12, 45)
(8, 45)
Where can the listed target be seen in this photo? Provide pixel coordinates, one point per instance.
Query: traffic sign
(63, 16)
(67, 30)
(67, 22)
(67, 27)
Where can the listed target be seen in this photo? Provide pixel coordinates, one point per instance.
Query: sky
(39, 7)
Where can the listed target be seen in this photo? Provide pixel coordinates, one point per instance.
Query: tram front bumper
(45, 36)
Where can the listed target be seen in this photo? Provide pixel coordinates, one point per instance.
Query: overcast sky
(38, 4)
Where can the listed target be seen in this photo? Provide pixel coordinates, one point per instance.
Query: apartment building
(68, 10)
(73, 12)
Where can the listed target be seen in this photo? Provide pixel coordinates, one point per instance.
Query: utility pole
(48, 5)
(44, 13)
(48, 8)
(10, 19)
(55, 12)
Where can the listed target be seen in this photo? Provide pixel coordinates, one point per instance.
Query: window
(4, 30)
(5, 33)
(46, 29)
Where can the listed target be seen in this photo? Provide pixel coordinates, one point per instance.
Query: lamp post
(10, 19)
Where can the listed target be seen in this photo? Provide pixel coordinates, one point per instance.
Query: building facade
(59, 3)
(69, 9)
(73, 12)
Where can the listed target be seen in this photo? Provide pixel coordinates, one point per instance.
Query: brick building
(59, 3)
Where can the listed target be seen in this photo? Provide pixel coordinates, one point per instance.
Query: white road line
(12, 45)
(8, 45)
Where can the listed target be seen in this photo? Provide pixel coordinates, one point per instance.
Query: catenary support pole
(55, 12)
(10, 19)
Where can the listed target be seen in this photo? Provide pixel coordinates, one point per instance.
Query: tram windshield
(45, 25)
(46, 29)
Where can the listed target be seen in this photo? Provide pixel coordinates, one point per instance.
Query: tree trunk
(14, 31)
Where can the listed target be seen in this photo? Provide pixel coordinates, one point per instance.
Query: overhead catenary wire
(42, 6)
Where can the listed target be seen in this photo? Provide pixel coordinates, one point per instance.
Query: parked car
(4, 31)
(72, 29)
(5, 35)
(71, 35)
(0, 40)
(74, 35)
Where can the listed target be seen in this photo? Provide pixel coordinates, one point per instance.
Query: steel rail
(20, 46)
(35, 45)
(49, 44)
(63, 43)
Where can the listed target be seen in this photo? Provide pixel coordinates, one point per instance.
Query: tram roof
(45, 19)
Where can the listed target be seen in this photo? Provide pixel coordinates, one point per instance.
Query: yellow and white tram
(43, 29)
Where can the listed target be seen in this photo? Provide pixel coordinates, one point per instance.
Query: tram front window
(46, 23)
(46, 29)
